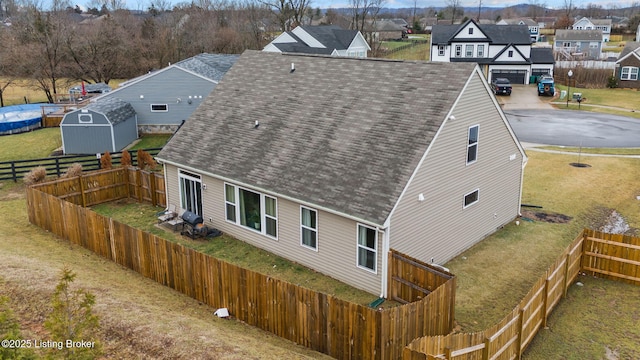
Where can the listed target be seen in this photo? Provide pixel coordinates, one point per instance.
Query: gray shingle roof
(630, 47)
(578, 35)
(497, 34)
(540, 55)
(116, 110)
(211, 66)
(331, 36)
(341, 133)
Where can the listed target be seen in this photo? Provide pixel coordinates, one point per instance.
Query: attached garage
(106, 125)
(515, 76)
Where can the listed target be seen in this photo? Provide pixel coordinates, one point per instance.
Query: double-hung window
(367, 253)
(629, 73)
(468, 51)
(309, 228)
(472, 144)
(440, 50)
(251, 209)
(480, 51)
(458, 50)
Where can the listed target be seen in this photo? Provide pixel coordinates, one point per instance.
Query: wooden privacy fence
(321, 322)
(109, 185)
(610, 256)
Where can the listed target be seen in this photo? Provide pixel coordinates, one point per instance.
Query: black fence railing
(58, 165)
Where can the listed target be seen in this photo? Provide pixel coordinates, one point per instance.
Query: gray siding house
(164, 98)
(331, 162)
(578, 44)
(108, 125)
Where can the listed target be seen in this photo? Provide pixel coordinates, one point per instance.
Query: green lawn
(227, 248)
(418, 52)
(605, 151)
(619, 98)
(30, 145)
(151, 141)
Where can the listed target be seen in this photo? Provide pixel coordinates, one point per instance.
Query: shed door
(515, 76)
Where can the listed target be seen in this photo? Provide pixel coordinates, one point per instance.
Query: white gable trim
(463, 33)
(307, 38)
(359, 42)
(635, 53)
(284, 38)
(504, 55)
(271, 48)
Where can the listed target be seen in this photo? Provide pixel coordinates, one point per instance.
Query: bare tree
(363, 10)
(455, 6)
(567, 14)
(288, 13)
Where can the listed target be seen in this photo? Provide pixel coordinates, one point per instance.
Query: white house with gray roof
(163, 99)
(500, 50)
(330, 162)
(604, 25)
(533, 26)
(322, 40)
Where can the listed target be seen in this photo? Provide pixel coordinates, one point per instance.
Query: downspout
(385, 259)
(524, 164)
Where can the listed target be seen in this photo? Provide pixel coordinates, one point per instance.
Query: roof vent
(293, 67)
(257, 123)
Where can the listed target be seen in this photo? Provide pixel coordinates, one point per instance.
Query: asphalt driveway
(535, 121)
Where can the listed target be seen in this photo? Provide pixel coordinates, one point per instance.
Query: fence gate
(411, 279)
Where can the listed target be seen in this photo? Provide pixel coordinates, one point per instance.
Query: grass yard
(494, 275)
(418, 52)
(619, 98)
(151, 141)
(20, 89)
(30, 145)
(227, 248)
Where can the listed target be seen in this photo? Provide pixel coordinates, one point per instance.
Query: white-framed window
(159, 107)
(440, 50)
(471, 198)
(468, 51)
(367, 252)
(593, 45)
(309, 228)
(480, 51)
(510, 53)
(566, 44)
(629, 73)
(472, 144)
(85, 118)
(190, 191)
(251, 209)
(458, 50)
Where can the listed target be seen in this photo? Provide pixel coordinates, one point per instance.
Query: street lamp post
(569, 74)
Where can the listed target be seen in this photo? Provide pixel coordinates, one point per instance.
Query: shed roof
(340, 133)
(116, 110)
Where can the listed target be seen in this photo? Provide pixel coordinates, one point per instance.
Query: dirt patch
(544, 216)
(608, 220)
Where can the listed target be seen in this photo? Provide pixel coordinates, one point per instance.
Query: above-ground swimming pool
(20, 118)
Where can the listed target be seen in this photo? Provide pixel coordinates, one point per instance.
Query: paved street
(535, 121)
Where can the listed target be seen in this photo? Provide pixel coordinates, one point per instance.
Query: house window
(458, 50)
(367, 254)
(471, 198)
(190, 191)
(472, 144)
(159, 107)
(470, 31)
(566, 44)
(251, 209)
(593, 45)
(309, 227)
(230, 202)
(85, 119)
(440, 50)
(629, 73)
(510, 53)
(469, 51)
(480, 51)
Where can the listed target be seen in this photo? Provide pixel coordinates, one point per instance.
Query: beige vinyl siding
(336, 255)
(439, 228)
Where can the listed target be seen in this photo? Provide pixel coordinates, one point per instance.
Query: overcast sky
(556, 4)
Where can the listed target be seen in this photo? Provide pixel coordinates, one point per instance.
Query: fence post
(152, 188)
(447, 353)
(139, 184)
(13, 171)
(485, 351)
(566, 275)
(545, 302)
(57, 167)
(84, 200)
(520, 330)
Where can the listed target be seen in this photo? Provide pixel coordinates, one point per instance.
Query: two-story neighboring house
(500, 50)
(534, 28)
(603, 25)
(578, 44)
(321, 40)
